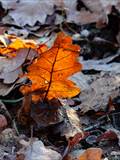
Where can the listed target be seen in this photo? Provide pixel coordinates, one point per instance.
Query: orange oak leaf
(49, 73)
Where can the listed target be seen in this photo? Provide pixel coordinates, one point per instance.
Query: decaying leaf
(81, 80)
(101, 5)
(5, 89)
(97, 99)
(74, 125)
(10, 68)
(35, 150)
(49, 73)
(99, 10)
(23, 13)
(54, 116)
(102, 64)
(83, 17)
(7, 135)
(29, 12)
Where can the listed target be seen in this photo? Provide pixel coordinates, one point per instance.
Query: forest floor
(84, 127)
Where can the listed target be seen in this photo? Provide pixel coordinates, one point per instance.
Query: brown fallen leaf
(97, 12)
(102, 8)
(83, 17)
(11, 68)
(5, 89)
(29, 12)
(22, 12)
(93, 99)
(101, 5)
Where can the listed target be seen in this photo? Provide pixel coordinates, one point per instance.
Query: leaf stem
(12, 100)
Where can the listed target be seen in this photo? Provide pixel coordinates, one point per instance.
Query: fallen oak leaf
(51, 70)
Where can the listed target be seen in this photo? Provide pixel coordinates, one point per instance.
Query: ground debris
(101, 89)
